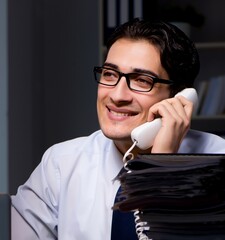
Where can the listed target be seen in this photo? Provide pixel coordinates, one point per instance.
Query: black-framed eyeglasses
(135, 81)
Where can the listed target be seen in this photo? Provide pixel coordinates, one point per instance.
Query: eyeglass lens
(135, 81)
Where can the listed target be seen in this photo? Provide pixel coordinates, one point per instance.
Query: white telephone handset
(145, 134)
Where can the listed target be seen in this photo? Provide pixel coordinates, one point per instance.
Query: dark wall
(53, 46)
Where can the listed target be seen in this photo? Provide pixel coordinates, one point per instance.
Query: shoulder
(86, 143)
(202, 142)
(74, 153)
(80, 153)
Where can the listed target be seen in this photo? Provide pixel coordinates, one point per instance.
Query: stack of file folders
(181, 197)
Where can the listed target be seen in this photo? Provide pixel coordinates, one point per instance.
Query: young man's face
(120, 109)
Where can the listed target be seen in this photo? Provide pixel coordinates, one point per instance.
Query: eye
(143, 80)
(109, 74)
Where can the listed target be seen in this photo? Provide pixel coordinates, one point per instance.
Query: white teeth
(120, 114)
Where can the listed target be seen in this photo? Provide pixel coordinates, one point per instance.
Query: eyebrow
(135, 70)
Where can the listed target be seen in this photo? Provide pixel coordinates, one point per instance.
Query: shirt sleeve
(37, 200)
(202, 143)
(20, 229)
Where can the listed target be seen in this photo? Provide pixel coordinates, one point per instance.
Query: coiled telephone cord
(141, 227)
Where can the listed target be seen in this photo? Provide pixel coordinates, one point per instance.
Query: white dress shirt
(70, 194)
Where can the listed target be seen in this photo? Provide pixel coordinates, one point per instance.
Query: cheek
(101, 94)
(145, 106)
(147, 101)
(98, 98)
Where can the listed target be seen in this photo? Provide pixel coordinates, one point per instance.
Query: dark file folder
(178, 196)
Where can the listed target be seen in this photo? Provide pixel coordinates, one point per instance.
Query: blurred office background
(48, 50)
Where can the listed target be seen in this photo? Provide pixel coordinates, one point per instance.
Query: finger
(169, 107)
(188, 106)
(173, 112)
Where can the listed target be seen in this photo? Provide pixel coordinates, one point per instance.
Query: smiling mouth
(122, 114)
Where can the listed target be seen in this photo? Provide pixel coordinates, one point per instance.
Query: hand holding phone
(145, 134)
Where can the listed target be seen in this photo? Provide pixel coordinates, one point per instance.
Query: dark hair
(178, 54)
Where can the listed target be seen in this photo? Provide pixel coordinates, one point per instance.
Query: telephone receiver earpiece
(145, 134)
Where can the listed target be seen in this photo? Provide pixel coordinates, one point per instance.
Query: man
(71, 193)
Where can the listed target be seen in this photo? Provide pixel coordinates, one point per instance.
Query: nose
(121, 92)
